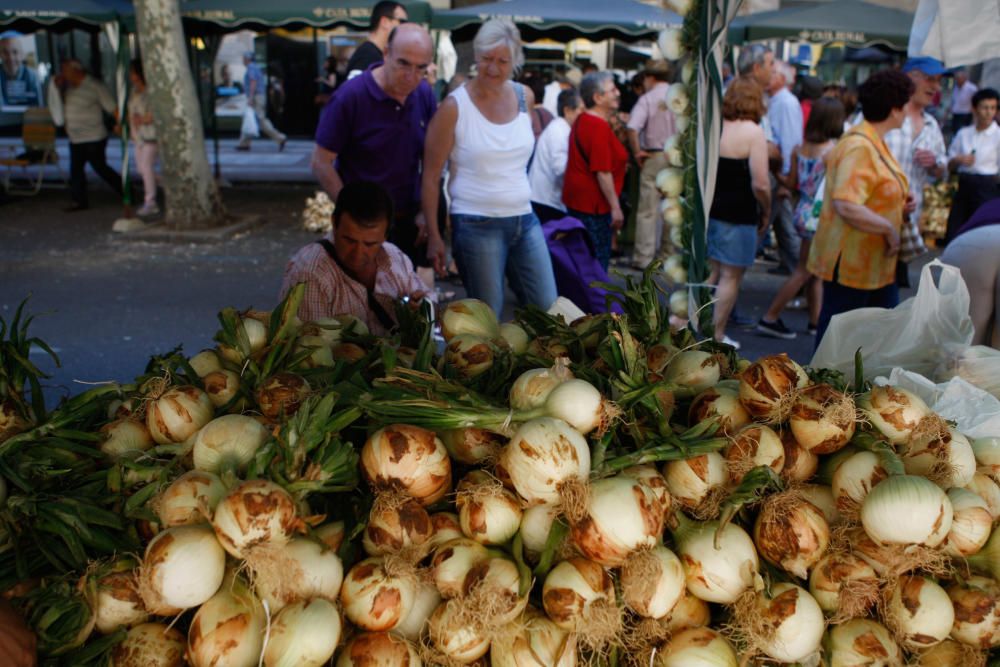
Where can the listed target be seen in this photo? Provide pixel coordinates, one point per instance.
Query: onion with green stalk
(695, 369)
(532, 388)
(282, 394)
(721, 401)
(752, 446)
(547, 461)
(253, 335)
(470, 355)
(117, 603)
(469, 316)
(515, 336)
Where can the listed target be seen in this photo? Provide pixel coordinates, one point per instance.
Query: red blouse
(601, 152)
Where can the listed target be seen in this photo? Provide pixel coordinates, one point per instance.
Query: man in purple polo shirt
(373, 130)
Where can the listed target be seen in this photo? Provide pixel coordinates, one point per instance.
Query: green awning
(853, 22)
(562, 19)
(59, 15)
(229, 15)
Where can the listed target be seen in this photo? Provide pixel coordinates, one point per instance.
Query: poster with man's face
(20, 85)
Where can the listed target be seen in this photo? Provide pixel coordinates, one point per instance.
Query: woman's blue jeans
(486, 249)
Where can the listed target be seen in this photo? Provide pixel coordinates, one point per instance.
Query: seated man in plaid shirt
(353, 270)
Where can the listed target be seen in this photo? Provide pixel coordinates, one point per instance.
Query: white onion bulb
(976, 603)
(536, 523)
(794, 621)
(300, 570)
(125, 437)
(770, 386)
(253, 513)
(691, 480)
(150, 645)
(571, 588)
(533, 641)
(182, 568)
(862, 642)
(855, 478)
(696, 647)
(407, 458)
(375, 600)
(695, 369)
(905, 509)
(753, 446)
(987, 489)
(721, 401)
(487, 512)
(543, 455)
(457, 640)
(791, 533)
(532, 387)
(920, 611)
(426, 601)
(228, 443)
(303, 634)
(178, 414)
(623, 515)
(894, 411)
(971, 523)
(453, 561)
(822, 419)
(191, 498)
(948, 460)
(717, 574)
(378, 649)
(227, 630)
(653, 583)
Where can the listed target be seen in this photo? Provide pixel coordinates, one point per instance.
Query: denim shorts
(734, 245)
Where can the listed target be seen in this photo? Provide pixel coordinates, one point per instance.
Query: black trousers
(974, 190)
(89, 152)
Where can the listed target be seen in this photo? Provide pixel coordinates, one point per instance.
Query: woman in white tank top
(484, 132)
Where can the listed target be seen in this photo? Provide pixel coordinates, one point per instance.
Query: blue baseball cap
(927, 65)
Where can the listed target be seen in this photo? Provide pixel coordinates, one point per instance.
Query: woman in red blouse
(595, 171)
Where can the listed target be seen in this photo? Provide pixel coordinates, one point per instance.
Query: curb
(158, 233)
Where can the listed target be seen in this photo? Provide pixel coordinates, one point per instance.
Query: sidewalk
(262, 163)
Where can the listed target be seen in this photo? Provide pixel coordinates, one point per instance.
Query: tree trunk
(192, 196)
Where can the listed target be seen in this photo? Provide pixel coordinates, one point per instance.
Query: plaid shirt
(903, 143)
(330, 291)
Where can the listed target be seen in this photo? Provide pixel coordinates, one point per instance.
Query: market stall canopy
(956, 32)
(229, 15)
(61, 15)
(562, 20)
(853, 22)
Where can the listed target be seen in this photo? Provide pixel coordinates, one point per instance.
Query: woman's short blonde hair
(499, 32)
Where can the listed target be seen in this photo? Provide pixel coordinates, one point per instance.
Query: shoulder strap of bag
(373, 304)
(522, 105)
(895, 173)
(576, 138)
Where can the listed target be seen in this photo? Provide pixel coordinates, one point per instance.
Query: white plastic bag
(912, 335)
(976, 364)
(976, 413)
(249, 127)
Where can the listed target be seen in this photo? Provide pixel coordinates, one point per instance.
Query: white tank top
(489, 162)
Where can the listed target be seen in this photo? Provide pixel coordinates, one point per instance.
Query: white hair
(499, 32)
(785, 70)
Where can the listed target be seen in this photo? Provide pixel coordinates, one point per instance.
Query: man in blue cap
(255, 87)
(918, 145)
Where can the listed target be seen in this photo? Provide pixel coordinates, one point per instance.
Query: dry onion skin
(532, 388)
(854, 479)
(228, 443)
(378, 649)
(472, 446)
(987, 489)
(125, 438)
(860, 641)
(800, 463)
(150, 645)
(491, 595)
(696, 369)
(894, 411)
(576, 592)
(253, 513)
(536, 523)
(770, 386)
(717, 574)
(822, 419)
(374, 599)
(919, 611)
(791, 533)
(177, 414)
(945, 457)
(623, 515)
(222, 386)
(408, 459)
(976, 602)
(426, 601)
(950, 653)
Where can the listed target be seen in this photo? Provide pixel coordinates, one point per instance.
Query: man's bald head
(11, 55)
(414, 34)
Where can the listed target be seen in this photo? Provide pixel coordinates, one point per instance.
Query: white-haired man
(784, 114)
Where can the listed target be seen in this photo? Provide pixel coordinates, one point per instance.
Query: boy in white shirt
(975, 154)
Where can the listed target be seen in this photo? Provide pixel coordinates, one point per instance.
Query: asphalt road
(106, 304)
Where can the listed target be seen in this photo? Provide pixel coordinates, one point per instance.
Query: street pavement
(106, 302)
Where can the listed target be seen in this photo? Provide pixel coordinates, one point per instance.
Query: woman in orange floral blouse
(854, 250)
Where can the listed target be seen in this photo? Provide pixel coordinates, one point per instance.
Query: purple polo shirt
(378, 139)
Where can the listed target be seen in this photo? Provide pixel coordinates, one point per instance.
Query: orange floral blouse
(861, 170)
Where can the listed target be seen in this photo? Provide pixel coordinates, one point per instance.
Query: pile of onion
(770, 386)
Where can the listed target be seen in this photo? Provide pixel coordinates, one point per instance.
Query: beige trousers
(648, 223)
(266, 127)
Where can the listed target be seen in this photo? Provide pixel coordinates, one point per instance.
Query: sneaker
(729, 341)
(811, 329)
(147, 210)
(776, 329)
